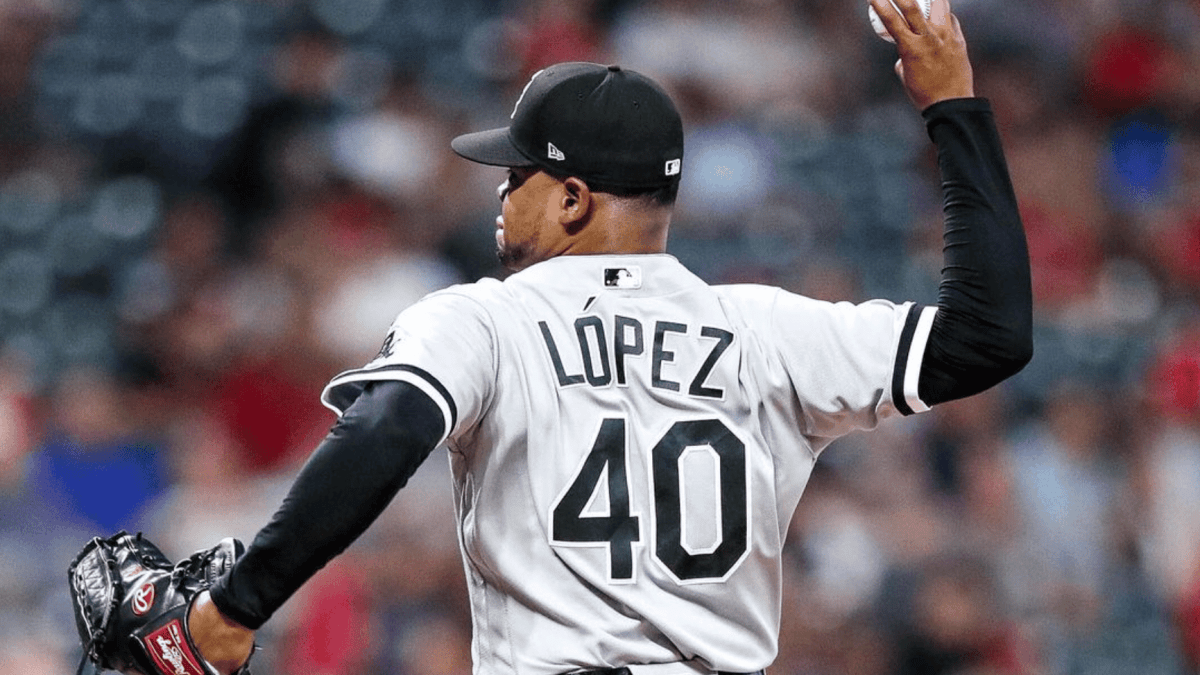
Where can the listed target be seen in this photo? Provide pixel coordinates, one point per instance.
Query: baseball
(878, 25)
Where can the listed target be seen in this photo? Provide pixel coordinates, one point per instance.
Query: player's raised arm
(982, 332)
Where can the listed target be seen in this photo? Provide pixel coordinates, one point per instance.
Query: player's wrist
(224, 643)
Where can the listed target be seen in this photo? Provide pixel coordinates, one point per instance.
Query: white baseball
(926, 5)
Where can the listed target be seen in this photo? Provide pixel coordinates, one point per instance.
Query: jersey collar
(628, 274)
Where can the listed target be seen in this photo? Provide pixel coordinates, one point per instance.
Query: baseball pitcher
(628, 442)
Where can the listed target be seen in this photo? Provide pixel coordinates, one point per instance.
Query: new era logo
(554, 153)
(673, 166)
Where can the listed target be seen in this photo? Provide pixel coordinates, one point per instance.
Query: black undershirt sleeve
(368, 455)
(982, 332)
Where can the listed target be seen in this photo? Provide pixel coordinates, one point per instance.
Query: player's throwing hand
(933, 62)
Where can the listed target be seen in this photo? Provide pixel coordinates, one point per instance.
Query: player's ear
(575, 203)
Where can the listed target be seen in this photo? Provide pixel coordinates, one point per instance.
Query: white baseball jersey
(628, 446)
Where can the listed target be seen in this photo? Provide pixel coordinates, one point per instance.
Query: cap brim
(493, 147)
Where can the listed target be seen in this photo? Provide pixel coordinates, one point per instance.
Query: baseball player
(629, 443)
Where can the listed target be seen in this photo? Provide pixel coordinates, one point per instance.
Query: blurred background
(207, 209)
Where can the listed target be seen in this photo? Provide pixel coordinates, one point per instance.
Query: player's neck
(613, 229)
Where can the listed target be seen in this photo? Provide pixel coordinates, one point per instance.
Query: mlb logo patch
(622, 277)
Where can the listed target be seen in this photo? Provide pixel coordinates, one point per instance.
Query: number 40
(620, 530)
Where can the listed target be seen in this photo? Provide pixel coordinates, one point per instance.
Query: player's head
(609, 126)
(603, 130)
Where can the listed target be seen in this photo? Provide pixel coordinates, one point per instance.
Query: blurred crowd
(208, 209)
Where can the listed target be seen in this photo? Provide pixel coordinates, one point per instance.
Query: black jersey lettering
(663, 355)
(599, 366)
(564, 379)
(627, 341)
(724, 339)
(600, 350)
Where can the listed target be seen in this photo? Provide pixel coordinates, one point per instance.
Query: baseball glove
(131, 604)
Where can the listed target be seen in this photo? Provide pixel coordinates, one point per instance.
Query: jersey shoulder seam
(470, 293)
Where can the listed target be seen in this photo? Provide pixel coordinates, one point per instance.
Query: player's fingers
(913, 15)
(956, 27)
(899, 68)
(890, 18)
(939, 13)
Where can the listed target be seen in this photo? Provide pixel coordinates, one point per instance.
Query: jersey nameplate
(600, 366)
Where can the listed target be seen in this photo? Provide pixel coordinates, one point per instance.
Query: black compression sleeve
(369, 454)
(983, 330)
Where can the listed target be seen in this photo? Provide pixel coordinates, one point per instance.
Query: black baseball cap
(604, 124)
